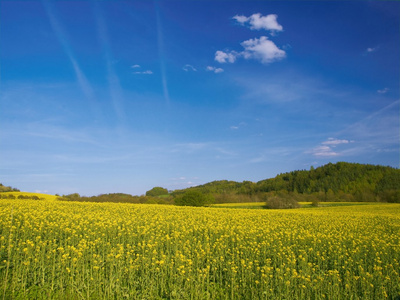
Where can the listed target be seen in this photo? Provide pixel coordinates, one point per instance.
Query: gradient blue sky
(121, 96)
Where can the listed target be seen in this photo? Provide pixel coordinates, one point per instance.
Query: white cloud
(188, 68)
(223, 57)
(147, 72)
(371, 50)
(241, 19)
(214, 69)
(333, 141)
(236, 127)
(258, 48)
(262, 49)
(257, 22)
(383, 91)
(326, 149)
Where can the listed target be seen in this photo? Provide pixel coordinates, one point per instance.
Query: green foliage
(119, 198)
(7, 196)
(315, 202)
(194, 198)
(390, 196)
(237, 198)
(4, 189)
(157, 191)
(28, 197)
(72, 197)
(332, 182)
(277, 202)
(281, 200)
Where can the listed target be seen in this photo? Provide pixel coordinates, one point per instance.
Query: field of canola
(60, 250)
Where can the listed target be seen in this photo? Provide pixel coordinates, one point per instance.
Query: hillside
(341, 181)
(350, 181)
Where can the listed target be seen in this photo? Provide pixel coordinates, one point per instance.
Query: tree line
(342, 182)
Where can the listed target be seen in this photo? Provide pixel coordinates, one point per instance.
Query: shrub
(279, 202)
(194, 198)
(315, 202)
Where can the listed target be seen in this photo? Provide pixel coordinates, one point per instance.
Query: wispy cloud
(189, 147)
(383, 91)
(188, 68)
(334, 141)
(327, 148)
(324, 151)
(63, 40)
(375, 133)
(379, 129)
(271, 154)
(236, 127)
(147, 72)
(258, 22)
(214, 69)
(285, 87)
(136, 67)
(370, 50)
(161, 55)
(113, 79)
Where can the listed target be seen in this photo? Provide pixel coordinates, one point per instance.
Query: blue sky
(121, 96)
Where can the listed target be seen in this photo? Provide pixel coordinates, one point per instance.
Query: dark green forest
(339, 182)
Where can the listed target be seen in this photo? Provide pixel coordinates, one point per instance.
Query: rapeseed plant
(51, 249)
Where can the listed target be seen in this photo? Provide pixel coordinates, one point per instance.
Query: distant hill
(341, 181)
(350, 181)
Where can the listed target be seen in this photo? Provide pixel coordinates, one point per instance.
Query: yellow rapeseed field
(29, 195)
(68, 250)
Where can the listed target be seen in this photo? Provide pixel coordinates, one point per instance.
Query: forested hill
(361, 181)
